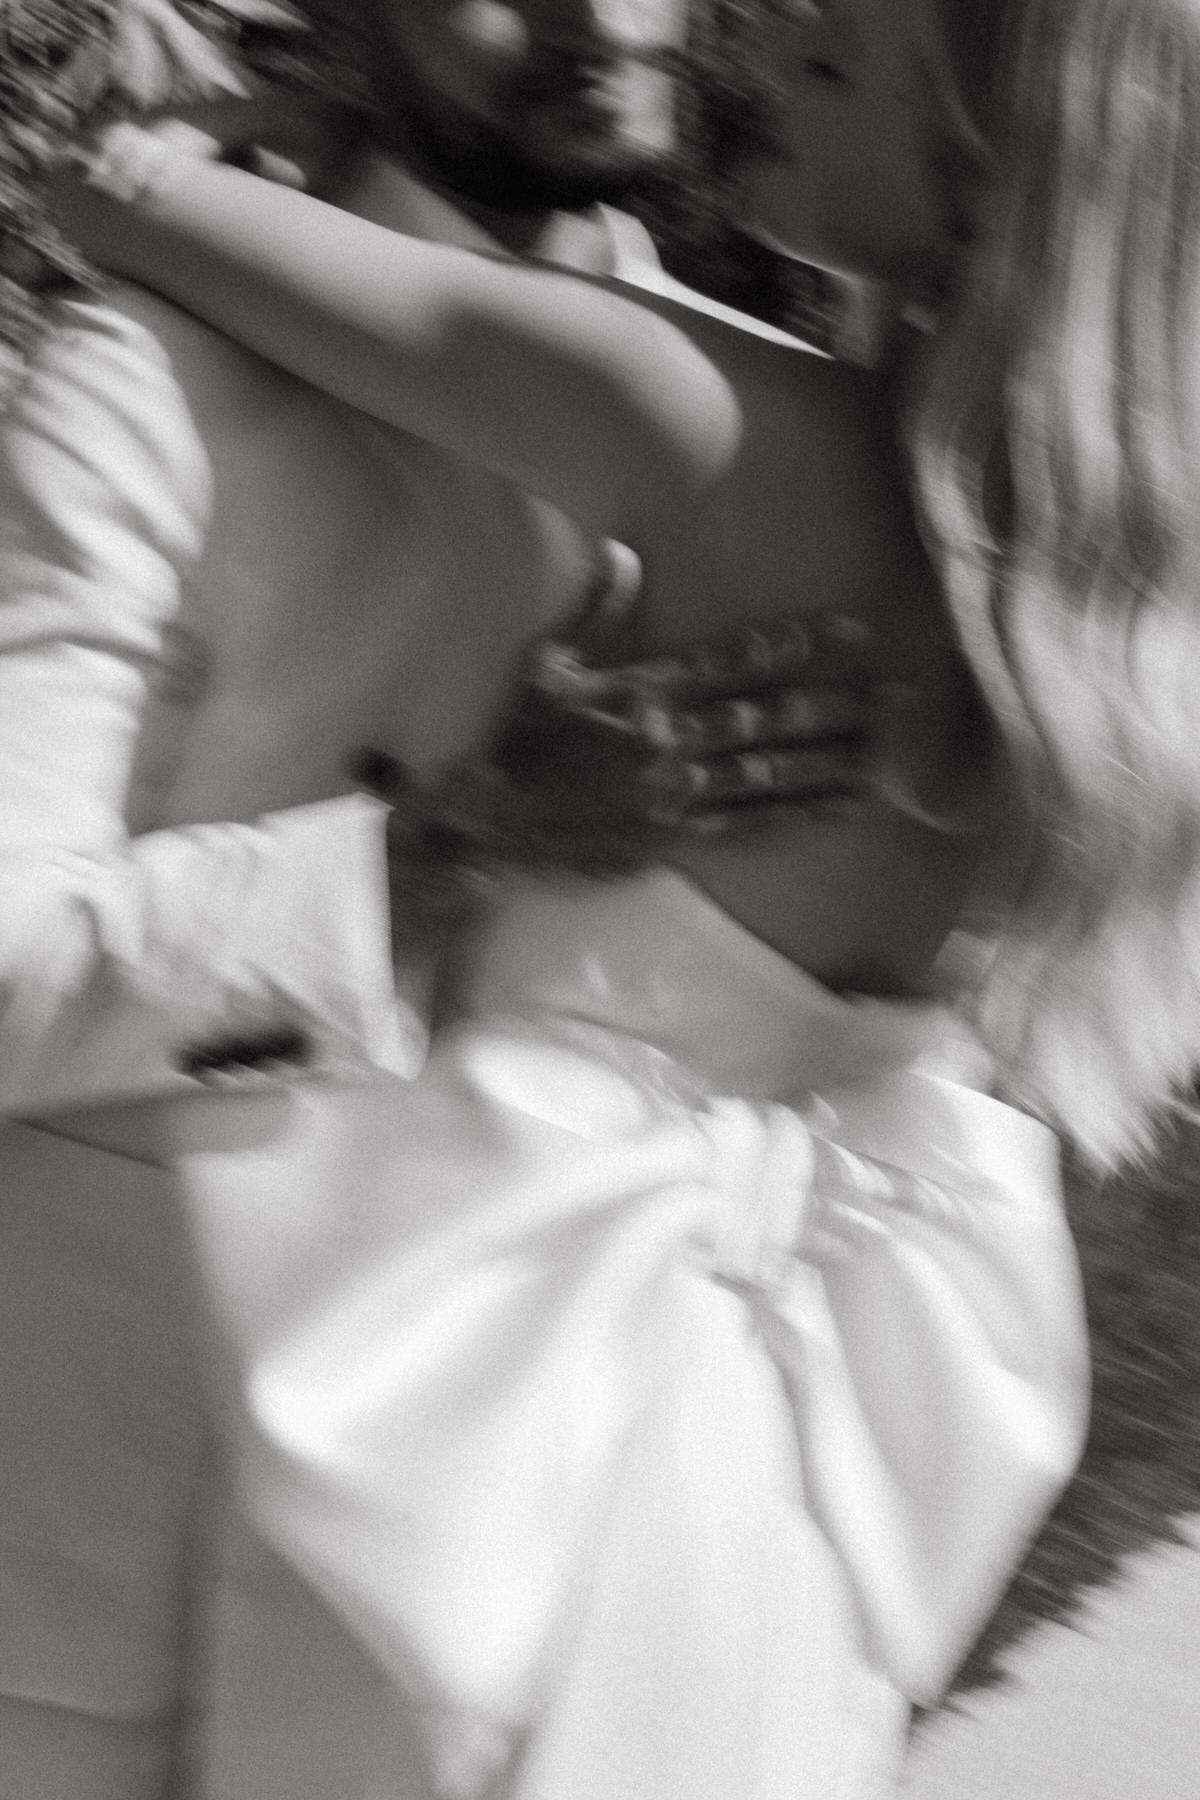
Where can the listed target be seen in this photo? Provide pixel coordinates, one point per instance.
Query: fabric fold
(436, 1419)
(481, 1324)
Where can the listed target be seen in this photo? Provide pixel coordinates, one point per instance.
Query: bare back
(752, 479)
(813, 514)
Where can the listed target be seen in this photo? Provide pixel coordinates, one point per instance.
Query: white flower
(160, 58)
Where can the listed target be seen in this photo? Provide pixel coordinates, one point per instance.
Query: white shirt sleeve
(118, 953)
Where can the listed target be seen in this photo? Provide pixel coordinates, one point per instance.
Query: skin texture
(875, 165)
(752, 481)
(522, 115)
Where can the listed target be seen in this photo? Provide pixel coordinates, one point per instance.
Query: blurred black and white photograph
(599, 899)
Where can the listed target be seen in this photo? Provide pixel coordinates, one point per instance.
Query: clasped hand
(598, 768)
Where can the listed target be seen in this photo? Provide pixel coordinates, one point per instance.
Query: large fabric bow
(448, 1316)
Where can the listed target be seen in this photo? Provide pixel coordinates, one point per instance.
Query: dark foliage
(53, 55)
(724, 106)
(54, 70)
(1139, 1245)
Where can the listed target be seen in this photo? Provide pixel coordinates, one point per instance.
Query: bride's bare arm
(575, 392)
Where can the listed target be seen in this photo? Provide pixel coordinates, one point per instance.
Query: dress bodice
(680, 1349)
(653, 963)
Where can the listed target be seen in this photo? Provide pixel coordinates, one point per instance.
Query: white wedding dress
(662, 1387)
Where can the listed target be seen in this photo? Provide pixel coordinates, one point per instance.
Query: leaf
(160, 58)
(273, 13)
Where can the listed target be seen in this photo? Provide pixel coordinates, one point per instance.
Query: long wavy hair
(1056, 444)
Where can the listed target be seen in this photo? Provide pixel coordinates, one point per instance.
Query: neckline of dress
(654, 959)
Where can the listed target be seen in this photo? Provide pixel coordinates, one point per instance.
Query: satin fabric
(665, 1384)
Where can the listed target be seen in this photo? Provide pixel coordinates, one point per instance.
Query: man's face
(527, 103)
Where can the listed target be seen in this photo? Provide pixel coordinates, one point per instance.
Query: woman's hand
(293, 142)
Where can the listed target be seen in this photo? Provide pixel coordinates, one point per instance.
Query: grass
(1139, 1246)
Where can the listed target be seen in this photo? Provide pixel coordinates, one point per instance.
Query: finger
(753, 817)
(566, 665)
(748, 661)
(828, 650)
(708, 671)
(559, 679)
(796, 716)
(186, 139)
(749, 777)
(269, 165)
(602, 631)
(833, 649)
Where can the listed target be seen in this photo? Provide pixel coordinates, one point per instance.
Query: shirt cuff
(318, 927)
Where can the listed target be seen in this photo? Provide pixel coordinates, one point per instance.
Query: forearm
(492, 360)
(123, 948)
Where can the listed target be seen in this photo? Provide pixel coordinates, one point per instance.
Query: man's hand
(623, 754)
(598, 770)
(711, 740)
(718, 740)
